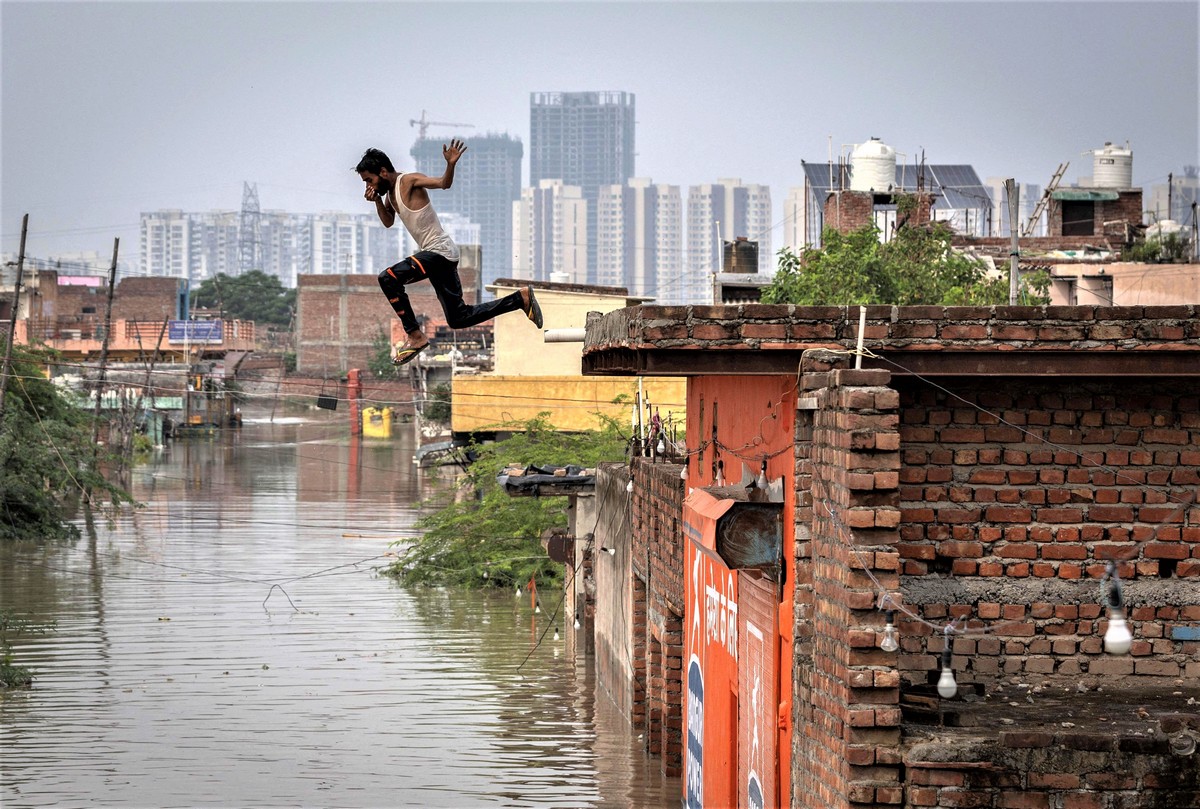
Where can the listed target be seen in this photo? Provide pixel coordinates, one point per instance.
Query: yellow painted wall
(520, 349)
(481, 402)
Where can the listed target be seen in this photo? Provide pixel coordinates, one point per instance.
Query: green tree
(437, 407)
(47, 458)
(253, 296)
(918, 266)
(493, 539)
(379, 361)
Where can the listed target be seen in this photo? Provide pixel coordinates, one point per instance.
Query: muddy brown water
(232, 644)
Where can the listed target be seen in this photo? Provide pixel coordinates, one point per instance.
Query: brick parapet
(847, 690)
(936, 328)
(1052, 767)
(657, 548)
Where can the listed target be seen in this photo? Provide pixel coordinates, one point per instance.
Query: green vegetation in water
(12, 625)
(48, 460)
(916, 267)
(490, 538)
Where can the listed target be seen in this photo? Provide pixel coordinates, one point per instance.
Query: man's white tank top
(426, 229)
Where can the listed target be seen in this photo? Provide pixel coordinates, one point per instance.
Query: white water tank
(872, 166)
(1161, 228)
(1112, 167)
(559, 277)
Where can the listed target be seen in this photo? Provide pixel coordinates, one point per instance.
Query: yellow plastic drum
(376, 422)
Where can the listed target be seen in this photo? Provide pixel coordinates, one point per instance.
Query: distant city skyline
(174, 105)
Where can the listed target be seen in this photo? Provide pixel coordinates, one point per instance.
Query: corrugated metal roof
(1083, 195)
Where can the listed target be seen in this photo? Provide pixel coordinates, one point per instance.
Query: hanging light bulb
(485, 574)
(890, 643)
(609, 551)
(576, 620)
(556, 632)
(661, 447)
(761, 480)
(629, 486)
(683, 472)
(946, 686)
(537, 609)
(1117, 638)
(518, 591)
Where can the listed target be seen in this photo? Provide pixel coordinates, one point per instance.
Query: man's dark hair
(373, 161)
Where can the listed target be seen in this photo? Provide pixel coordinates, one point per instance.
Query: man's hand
(454, 151)
(371, 195)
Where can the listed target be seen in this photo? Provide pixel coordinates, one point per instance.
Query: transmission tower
(250, 231)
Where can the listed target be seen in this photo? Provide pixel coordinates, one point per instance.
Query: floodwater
(231, 644)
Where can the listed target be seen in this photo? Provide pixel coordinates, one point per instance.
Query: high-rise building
(639, 239)
(721, 213)
(487, 181)
(550, 232)
(199, 246)
(584, 139)
(793, 220)
(1175, 201)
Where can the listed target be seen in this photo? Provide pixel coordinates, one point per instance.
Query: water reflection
(230, 644)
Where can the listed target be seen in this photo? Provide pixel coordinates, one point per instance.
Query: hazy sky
(110, 109)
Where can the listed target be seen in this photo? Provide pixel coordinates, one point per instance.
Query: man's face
(376, 181)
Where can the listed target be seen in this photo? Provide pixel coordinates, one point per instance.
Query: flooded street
(231, 644)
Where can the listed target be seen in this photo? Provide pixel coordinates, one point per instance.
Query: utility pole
(1014, 201)
(112, 283)
(12, 325)
(1170, 195)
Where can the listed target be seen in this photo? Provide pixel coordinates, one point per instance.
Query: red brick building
(339, 316)
(975, 477)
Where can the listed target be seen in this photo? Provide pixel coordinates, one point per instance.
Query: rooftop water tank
(1163, 227)
(1112, 167)
(559, 277)
(872, 166)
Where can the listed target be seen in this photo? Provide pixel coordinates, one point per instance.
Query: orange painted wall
(710, 634)
(737, 423)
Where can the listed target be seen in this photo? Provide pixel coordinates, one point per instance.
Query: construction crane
(424, 124)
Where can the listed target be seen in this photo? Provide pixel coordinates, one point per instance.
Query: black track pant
(442, 273)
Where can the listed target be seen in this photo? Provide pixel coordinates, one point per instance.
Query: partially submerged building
(971, 503)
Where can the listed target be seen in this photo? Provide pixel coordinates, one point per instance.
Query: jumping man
(407, 196)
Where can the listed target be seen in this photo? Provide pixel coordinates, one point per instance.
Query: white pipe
(564, 335)
(862, 327)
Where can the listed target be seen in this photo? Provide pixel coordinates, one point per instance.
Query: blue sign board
(694, 774)
(195, 331)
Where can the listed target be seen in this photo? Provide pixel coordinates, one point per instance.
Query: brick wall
(990, 329)
(846, 689)
(338, 317)
(146, 299)
(1126, 209)
(1063, 769)
(1013, 499)
(851, 210)
(657, 561)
